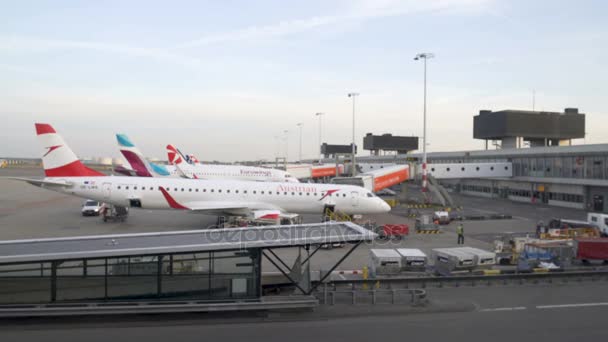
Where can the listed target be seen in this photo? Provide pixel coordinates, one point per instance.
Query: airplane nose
(385, 207)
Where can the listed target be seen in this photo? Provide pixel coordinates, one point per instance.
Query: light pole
(424, 56)
(300, 125)
(277, 146)
(320, 115)
(286, 132)
(353, 163)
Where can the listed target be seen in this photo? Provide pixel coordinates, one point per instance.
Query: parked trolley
(451, 260)
(412, 259)
(483, 259)
(384, 262)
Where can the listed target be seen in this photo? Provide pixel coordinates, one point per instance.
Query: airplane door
(107, 190)
(354, 198)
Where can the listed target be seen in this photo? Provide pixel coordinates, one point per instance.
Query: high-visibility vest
(460, 230)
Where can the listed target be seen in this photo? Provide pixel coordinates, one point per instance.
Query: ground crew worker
(460, 232)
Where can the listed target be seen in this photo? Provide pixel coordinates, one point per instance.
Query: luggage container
(450, 260)
(483, 259)
(384, 261)
(393, 231)
(560, 254)
(425, 223)
(412, 259)
(588, 249)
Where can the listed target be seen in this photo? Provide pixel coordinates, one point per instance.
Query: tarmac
(554, 312)
(28, 212)
(526, 313)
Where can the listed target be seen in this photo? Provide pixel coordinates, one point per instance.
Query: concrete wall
(567, 204)
(520, 199)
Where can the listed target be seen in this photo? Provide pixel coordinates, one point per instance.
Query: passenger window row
(262, 192)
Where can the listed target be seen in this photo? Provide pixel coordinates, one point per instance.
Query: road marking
(522, 218)
(580, 305)
(516, 308)
(486, 211)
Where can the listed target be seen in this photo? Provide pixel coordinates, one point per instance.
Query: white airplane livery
(66, 174)
(188, 167)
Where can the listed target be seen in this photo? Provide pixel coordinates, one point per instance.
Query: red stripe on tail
(73, 169)
(44, 129)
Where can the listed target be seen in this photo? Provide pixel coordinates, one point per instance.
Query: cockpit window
(369, 194)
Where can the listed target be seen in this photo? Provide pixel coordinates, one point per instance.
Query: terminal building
(332, 151)
(550, 170)
(377, 144)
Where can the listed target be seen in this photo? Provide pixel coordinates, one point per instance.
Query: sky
(224, 80)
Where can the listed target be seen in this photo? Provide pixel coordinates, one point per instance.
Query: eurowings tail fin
(136, 159)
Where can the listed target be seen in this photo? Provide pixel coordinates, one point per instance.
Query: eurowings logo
(328, 193)
(51, 149)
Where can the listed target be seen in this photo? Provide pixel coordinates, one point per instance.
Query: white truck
(600, 220)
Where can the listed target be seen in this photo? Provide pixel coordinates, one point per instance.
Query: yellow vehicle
(3, 163)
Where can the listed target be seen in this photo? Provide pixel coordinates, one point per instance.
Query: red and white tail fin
(192, 159)
(173, 155)
(58, 159)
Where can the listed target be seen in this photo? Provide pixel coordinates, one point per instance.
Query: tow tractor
(114, 213)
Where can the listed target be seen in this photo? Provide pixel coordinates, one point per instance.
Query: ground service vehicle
(600, 221)
(91, 208)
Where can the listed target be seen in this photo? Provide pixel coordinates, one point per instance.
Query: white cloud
(360, 11)
(20, 43)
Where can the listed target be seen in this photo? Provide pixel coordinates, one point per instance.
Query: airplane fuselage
(298, 198)
(234, 172)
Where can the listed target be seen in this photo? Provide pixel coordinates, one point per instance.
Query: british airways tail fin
(58, 159)
(176, 158)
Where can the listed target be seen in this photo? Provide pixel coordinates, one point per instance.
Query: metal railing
(468, 280)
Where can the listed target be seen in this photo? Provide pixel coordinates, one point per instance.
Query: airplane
(66, 174)
(187, 166)
(142, 168)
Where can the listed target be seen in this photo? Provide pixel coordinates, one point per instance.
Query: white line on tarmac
(580, 305)
(522, 218)
(516, 308)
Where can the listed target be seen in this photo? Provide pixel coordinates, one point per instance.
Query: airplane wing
(42, 182)
(218, 207)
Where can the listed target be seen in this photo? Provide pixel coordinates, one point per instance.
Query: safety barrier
(376, 296)
(482, 217)
(430, 231)
(156, 307)
(432, 206)
(535, 277)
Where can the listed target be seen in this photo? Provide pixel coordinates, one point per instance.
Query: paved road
(556, 313)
